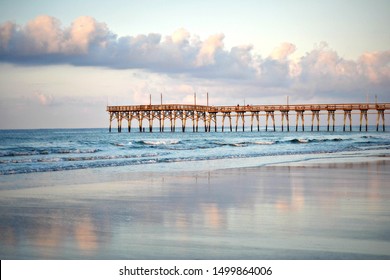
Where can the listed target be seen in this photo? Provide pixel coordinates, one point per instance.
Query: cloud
(375, 66)
(87, 42)
(41, 35)
(283, 51)
(44, 99)
(180, 36)
(208, 50)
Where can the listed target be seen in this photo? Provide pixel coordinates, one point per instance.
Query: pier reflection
(196, 216)
(49, 234)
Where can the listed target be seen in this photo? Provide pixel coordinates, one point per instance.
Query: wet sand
(308, 211)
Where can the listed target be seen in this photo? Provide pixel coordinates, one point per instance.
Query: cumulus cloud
(283, 51)
(87, 42)
(180, 36)
(208, 50)
(376, 66)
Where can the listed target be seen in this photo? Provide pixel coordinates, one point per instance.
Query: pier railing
(208, 114)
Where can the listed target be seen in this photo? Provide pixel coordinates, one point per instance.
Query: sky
(63, 62)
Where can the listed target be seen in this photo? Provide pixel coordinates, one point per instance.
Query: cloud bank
(87, 42)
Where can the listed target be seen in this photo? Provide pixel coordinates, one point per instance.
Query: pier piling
(380, 115)
(269, 113)
(315, 114)
(347, 114)
(363, 113)
(285, 116)
(300, 115)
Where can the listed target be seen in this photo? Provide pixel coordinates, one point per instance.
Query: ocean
(48, 150)
(91, 194)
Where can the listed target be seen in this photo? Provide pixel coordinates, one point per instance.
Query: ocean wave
(242, 144)
(78, 158)
(282, 141)
(265, 142)
(152, 158)
(94, 149)
(273, 142)
(86, 164)
(35, 152)
(119, 144)
(159, 142)
(313, 140)
(300, 141)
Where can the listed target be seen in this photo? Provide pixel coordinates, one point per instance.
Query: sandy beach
(312, 210)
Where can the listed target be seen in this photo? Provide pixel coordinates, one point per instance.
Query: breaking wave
(45, 151)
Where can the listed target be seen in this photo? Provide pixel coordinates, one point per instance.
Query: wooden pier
(208, 115)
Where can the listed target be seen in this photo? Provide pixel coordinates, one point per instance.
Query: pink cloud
(209, 47)
(283, 51)
(44, 99)
(375, 66)
(87, 42)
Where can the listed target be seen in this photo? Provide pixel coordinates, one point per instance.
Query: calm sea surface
(90, 194)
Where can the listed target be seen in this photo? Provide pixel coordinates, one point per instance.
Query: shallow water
(31, 151)
(332, 211)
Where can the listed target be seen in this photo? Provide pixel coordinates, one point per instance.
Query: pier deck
(208, 115)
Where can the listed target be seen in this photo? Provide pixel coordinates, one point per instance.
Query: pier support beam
(150, 118)
(161, 121)
(193, 124)
(169, 115)
(300, 115)
(347, 114)
(363, 113)
(285, 115)
(173, 124)
(267, 115)
(112, 117)
(241, 115)
(191, 115)
(119, 119)
(129, 119)
(196, 120)
(202, 116)
(140, 125)
(315, 115)
(226, 114)
(380, 115)
(212, 118)
(253, 115)
(331, 116)
(165, 114)
(183, 124)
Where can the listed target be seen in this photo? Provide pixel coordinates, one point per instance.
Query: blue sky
(61, 62)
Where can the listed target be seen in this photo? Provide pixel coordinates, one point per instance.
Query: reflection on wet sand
(48, 232)
(212, 217)
(85, 234)
(321, 211)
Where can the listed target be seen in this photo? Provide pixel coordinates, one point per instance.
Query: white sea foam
(264, 142)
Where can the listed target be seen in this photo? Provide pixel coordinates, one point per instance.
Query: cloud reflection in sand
(269, 212)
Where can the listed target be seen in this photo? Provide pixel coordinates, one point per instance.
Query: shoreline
(316, 209)
(220, 164)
